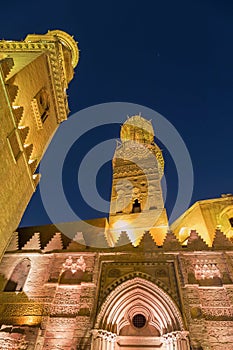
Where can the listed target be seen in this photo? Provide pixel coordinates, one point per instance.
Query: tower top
(58, 35)
(68, 41)
(137, 129)
(137, 137)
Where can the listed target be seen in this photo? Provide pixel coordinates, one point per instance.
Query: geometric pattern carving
(204, 270)
(213, 298)
(36, 114)
(218, 313)
(14, 341)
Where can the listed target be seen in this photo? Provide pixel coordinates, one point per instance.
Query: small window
(43, 103)
(40, 105)
(139, 321)
(231, 222)
(136, 206)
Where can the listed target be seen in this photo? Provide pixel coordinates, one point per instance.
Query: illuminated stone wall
(71, 298)
(34, 76)
(139, 287)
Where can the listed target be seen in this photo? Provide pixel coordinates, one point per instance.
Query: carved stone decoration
(102, 339)
(204, 269)
(69, 264)
(214, 298)
(162, 274)
(176, 340)
(220, 336)
(51, 44)
(137, 291)
(66, 302)
(13, 341)
(40, 106)
(217, 313)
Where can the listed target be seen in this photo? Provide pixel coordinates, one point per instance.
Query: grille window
(139, 321)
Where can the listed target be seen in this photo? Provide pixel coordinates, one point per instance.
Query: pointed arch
(139, 296)
(18, 276)
(143, 276)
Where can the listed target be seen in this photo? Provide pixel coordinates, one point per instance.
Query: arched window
(18, 277)
(231, 221)
(136, 206)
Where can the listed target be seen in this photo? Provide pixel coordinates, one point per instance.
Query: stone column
(176, 341)
(103, 340)
(183, 341)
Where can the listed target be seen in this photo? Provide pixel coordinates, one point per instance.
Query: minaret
(137, 202)
(34, 76)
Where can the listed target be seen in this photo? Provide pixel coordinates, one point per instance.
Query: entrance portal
(139, 315)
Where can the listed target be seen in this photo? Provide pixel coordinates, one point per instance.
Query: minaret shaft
(137, 201)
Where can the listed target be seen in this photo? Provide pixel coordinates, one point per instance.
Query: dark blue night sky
(175, 57)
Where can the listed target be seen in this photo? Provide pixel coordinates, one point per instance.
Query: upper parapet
(61, 48)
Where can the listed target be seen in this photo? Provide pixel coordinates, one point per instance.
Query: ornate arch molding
(139, 294)
(142, 275)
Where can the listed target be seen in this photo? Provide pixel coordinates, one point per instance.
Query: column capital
(169, 337)
(101, 333)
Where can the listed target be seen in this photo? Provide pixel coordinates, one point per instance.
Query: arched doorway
(139, 315)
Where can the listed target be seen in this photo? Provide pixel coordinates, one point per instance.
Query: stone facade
(128, 283)
(34, 75)
(62, 309)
